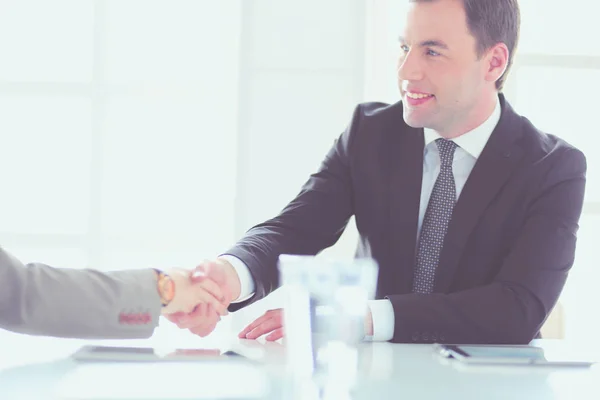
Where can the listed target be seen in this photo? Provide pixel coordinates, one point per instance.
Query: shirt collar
(473, 141)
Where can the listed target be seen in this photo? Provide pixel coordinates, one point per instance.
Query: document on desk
(206, 380)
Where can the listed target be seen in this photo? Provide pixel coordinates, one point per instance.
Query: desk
(387, 371)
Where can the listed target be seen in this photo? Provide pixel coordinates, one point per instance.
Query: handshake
(199, 298)
(196, 299)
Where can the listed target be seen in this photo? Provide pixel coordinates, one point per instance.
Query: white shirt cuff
(382, 312)
(243, 273)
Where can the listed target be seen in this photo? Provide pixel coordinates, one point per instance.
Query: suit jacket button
(442, 338)
(434, 337)
(425, 336)
(415, 337)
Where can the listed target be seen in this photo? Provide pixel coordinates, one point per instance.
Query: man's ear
(496, 62)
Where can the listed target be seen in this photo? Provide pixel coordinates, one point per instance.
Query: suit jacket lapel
(493, 168)
(406, 155)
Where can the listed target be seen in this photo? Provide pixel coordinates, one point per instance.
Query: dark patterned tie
(436, 220)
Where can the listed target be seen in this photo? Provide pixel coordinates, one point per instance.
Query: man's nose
(409, 68)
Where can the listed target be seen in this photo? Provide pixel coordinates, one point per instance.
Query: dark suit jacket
(510, 243)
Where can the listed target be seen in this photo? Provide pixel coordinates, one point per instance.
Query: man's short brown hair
(492, 22)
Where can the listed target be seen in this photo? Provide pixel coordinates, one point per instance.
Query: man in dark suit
(470, 211)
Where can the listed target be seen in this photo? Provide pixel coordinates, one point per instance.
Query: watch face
(166, 288)
(169, 289)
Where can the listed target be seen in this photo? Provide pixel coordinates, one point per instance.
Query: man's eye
(404, 48)
(432, 53)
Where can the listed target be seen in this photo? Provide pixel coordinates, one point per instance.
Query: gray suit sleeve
(37, 299)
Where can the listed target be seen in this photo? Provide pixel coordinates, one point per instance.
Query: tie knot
(446, 149)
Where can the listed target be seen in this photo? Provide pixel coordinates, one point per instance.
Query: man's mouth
(418, 96)
(415, 99)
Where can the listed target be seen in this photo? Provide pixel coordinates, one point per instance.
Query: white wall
(301, 74)
(115, 115)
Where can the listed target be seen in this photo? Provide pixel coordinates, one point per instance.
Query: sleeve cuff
(243, 273)
(382, 312)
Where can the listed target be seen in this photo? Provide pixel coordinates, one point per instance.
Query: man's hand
(218, 277)
(202, 321)
(270, 323)
(222, 273)
(187, 295)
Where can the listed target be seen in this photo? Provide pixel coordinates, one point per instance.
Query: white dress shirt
(470, 146)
